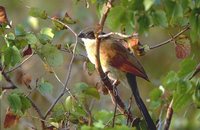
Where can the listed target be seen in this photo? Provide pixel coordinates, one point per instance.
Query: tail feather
(133, 84)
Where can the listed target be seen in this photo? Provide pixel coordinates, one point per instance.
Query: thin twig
(129, 108)
(159, 124)
(65, 89)
(36, 108)
(69, 52)
(25, 60)
(168, 116)
(171, 39)
(118, 34)
(197, 70)
(39, 112)
(115, 110)
(56, 76)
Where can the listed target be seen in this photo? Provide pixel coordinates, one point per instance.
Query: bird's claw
(116, 83)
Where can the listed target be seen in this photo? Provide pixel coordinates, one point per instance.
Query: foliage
(126, 16)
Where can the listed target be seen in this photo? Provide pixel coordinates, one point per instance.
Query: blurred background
(157, 62)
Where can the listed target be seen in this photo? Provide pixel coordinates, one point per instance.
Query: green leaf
(91, 91)
(122, 127)
(12, 56)
(155, 104)
(31, 38)
(196, 95)
(84, 127)
(47, 31)
(46, 35)
(144, 23)
(155, 94)
(85, 89)
(26, 104)
(103, 115)
(44, 39)
(14, 102)
(10, 36)
(148, 4)
(68, 103)
(187, 66)
(19, 30)
(195, 24)
(58, 113)
(159, 18)
(38, 13)
(79, 87)
(33, 22)
(137, 5)
(68, 20)
(45, 87)
(52, 55)
(58, 25)
(170, 81)
(90, 67)
(99, 124)
(116, 18)
(178, 11)
(174, 10)
(181, 100)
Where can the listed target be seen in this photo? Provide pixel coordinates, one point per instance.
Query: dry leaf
(23, 78)
(183, 47)
(47, 68)
(135, 46)
(132, 42)
(101, 88)
(11, 119)
(182, 50)
(3, 16)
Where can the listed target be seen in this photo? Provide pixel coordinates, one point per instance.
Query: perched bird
(120, 64)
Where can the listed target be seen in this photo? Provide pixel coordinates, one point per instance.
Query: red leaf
(11, 119)
(182, 50)
(27, 51)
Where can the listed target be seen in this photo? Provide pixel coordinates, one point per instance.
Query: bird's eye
(90, 35)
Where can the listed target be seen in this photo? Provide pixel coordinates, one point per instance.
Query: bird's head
(87, 37)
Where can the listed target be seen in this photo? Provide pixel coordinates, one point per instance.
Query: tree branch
(123, 36)
(171, 39)
(13, 86)
(115, 97)
(39, 112)
(118, 34)
(168, 116)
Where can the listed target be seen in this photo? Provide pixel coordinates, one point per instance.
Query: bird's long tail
(133, 84)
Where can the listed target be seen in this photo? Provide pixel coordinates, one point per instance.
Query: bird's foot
(116, 83)
(106, 75)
